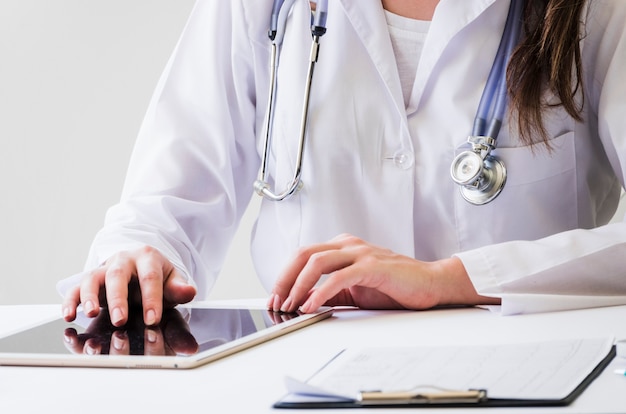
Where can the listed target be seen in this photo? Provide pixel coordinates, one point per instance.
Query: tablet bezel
(164, 361)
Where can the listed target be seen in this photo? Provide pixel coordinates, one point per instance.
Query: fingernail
(277, 303)
(117, 316)
(270, 302)
(305, 308)
(151, 336)
(150, 317)
(287, 305)
(118, 340)
(90, 350)
(89, 307)
(66, 312)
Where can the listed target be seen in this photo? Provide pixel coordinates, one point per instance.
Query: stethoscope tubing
(494, 98)
(487, 122)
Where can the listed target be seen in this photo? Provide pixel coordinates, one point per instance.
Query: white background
(75, 80)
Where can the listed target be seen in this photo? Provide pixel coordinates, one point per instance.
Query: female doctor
(377, 220)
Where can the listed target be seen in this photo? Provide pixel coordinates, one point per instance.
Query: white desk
(251, 381)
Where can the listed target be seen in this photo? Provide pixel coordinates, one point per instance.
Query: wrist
(455, 286)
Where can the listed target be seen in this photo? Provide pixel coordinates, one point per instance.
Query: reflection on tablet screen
(182, 331)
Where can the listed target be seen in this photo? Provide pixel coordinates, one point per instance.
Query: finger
(289, 275)
(153, 342)
(90, 291)
(285, 282)
(274, 317)
(120, 344)
(150, 275)
(274, 302)
(176, 333)
(334, 290)
(92, 347)
(70, 303)
(367, 297)
(319, 264)
(118, 275)
(177, 289)
(71, 341)
(284, 317)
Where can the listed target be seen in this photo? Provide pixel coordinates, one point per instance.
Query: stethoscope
(276, 33)
(480, 174)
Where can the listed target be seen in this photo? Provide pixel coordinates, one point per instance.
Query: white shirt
(407, 39)
(542, 244)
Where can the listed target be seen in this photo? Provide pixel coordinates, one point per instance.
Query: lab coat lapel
(451, 17)
(368, 20)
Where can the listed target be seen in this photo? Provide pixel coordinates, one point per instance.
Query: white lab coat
(543, 244)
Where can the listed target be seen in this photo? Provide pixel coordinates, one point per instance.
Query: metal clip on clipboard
(420, 395)
(438, 396)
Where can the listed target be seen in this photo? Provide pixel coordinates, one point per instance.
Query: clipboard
(470, 398)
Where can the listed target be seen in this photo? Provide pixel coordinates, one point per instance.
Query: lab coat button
(403, 159)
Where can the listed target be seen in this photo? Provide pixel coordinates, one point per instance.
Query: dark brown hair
(548, 56)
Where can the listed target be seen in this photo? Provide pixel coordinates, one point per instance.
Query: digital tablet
(188, 336)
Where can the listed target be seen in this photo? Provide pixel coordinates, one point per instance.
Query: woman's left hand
(363, 275)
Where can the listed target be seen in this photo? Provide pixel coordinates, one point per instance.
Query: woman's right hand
(142, 277)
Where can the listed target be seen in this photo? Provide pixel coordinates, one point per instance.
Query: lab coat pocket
(538, 199)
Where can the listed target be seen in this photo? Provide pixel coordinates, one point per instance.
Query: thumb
(178, 288)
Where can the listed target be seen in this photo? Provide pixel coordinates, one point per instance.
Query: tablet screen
(184, 332)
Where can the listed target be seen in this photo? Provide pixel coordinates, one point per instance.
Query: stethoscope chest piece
(481, 180)
(481, 175)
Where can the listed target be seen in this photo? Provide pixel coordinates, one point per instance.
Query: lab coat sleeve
(191, 172)
(584, 267)
(571, 270)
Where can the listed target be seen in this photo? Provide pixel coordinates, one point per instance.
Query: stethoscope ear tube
(319, 19)
(278, 20)
(276, 33)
